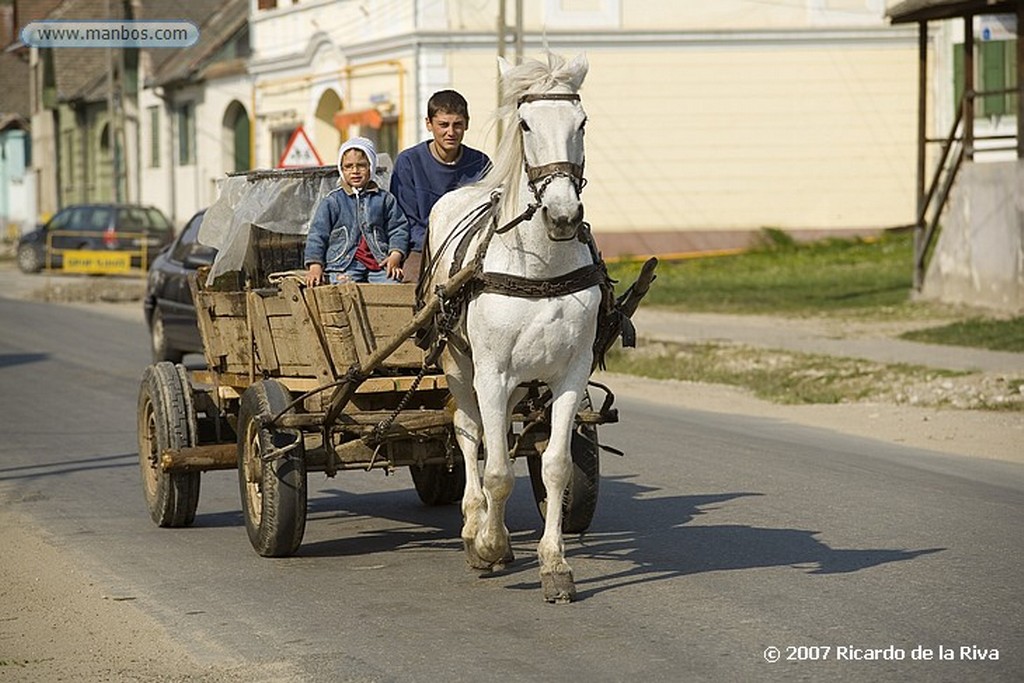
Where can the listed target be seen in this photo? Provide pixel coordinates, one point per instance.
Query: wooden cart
(327, 379)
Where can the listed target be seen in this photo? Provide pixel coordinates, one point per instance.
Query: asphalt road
(716, 539)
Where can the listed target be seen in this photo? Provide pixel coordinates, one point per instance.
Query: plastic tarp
(281, 201)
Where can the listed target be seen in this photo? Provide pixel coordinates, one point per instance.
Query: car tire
(162, 350)
(29, 259)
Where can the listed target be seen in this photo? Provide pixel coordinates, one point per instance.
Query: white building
(195, 110)
(707, 121)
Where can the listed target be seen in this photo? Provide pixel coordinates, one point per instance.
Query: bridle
(539, 177)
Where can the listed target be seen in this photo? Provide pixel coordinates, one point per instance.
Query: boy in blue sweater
(435, 167)
(358, 232)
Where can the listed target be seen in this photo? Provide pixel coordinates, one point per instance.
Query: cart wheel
(273, 490)
(167, 420)
(436, 485)
(580, 499)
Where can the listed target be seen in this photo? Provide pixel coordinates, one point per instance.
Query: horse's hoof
(473, 559)
(478, 563)
(558, 588)
(505, 561)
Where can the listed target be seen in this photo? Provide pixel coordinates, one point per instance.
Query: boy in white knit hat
(358, 232)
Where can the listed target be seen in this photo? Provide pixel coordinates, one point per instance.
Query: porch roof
(912, 11)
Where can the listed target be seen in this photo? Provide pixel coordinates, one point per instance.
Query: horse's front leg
(556, 577)
(466, 422)
(493, 544)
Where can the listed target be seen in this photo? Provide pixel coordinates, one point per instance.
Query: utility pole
(519, 31)
(503, 39)
(502, 28)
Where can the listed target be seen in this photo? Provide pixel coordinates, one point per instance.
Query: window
(154, 136)
(186, 116)
(279, 138)
(996, 69)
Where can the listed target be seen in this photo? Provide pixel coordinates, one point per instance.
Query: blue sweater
(419, 180)
(343, 216)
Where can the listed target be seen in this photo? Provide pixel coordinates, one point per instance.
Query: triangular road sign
(299, 152)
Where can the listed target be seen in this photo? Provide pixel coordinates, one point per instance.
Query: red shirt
(365, 256)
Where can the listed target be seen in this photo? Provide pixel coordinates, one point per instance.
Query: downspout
(161, 92)
(1020, 81)
(922, 134)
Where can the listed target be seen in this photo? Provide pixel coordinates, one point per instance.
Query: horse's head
(551, 122)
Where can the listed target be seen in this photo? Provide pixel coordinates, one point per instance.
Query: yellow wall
(740, 137)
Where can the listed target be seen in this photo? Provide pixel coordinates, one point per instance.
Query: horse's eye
(524, 126)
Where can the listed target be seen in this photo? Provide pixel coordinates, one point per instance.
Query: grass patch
(780, 276)
(854, 279)
(996, 335)
(799, 378)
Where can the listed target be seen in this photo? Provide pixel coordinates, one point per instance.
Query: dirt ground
(58, 624)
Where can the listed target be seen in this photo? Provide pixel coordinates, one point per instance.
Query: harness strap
(534, 97)
(567, 168)
(526, 288)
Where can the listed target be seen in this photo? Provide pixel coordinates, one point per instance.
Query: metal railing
(118, 260)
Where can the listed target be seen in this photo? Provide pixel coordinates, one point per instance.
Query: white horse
(513, 330)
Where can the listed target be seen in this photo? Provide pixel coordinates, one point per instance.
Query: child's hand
(315, 276)
(393, 265)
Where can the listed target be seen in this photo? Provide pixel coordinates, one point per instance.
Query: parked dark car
(113, 227)
(170, 311)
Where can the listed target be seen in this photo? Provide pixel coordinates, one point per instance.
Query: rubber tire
(158, 341)
(580, 499)
(29, 259)
(274, 505)
(167, 420)
(436, 485)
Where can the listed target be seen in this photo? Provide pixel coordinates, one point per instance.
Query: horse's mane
(532, 76)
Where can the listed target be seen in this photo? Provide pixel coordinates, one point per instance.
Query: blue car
(170, 311)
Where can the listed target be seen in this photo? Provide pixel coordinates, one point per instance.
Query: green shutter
(993, 77)
(241, 134)
(1011, 74)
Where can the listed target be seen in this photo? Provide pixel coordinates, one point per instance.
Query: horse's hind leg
(556, 578)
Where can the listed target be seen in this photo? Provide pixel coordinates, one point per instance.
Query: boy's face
(355, 169)
(448, 130)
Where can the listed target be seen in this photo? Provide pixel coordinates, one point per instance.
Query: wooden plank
(265, 347)
(310, 338)
(362, 335)
(205, 323)
(290, 344)
(228, 304)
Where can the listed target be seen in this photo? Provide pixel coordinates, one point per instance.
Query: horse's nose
(564, 226)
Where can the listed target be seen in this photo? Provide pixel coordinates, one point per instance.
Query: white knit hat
(364, 145)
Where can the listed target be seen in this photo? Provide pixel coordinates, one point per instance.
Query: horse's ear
(578, 67)
(503, 66)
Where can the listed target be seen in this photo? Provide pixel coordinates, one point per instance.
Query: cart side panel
(341, 343)
(292, 322)
(266, 348)
(375, 314)
(225, 330)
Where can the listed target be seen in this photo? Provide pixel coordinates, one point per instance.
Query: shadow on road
(9, 359)
(651, 538)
